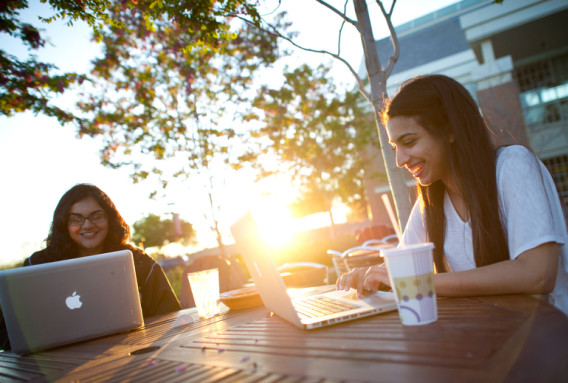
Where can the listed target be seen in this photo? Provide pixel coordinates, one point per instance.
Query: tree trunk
(378, 82)
(216, 230)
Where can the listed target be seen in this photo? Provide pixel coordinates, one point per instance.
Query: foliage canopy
(162, 90)
(30, 84)
(152, 231)
(318, 135)
(173, 83)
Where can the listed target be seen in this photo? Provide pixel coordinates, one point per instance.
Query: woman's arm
(532, 272)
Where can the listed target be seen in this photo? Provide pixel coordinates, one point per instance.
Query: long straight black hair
(446, 110)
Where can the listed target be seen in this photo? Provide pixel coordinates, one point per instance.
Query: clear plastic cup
(205, 288)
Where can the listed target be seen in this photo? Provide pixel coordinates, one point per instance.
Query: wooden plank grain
(490, 339)
(462, 342)
(368, 339)
(29, 367)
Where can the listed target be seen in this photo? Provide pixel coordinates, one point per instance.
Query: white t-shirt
(530, 212)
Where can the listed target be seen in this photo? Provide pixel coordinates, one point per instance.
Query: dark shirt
(156, 294)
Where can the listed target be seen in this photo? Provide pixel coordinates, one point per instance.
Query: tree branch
(342, 15)
(392, 7)
(341, 28)
(273, 31)
(394, 39)
(383, 10)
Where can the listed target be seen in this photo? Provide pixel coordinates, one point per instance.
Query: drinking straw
(393, 219)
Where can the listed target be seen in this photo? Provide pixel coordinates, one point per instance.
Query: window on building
(544, 91)
(558, 167)
(544, 98)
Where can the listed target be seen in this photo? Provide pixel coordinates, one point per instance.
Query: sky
(40, 160)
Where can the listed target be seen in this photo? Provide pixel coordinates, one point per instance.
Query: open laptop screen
(67, 301)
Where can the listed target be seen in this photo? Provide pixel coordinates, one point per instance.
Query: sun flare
(269, 202)
(274, 220)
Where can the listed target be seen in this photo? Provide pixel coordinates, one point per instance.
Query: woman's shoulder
(39, 257)
(50, 254)
(140, 256)
(507, 152)
(517, 157)
(137, 252)
(143, 263)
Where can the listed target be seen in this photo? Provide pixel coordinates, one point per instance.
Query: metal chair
(391, 239)
(303, 274)
(367, 254)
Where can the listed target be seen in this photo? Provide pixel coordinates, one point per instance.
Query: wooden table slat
(489, 339)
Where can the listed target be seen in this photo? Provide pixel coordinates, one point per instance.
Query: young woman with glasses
(86, 222)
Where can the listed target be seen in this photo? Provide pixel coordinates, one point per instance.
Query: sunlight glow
(319, 220)
(269, 207)
(274, 221)
(277, 227)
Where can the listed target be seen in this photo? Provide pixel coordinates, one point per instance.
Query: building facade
(512, 57)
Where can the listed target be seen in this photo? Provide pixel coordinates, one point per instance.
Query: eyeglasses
(79, 220)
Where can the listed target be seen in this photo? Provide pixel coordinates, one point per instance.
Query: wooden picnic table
(481, 339)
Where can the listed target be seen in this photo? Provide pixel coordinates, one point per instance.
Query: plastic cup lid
(407, 248)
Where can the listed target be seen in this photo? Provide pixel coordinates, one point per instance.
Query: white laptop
(300, 311)
(63, 302)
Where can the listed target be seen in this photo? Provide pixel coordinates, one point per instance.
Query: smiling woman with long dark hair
(61, 244)
(85, 223)
(493, 214)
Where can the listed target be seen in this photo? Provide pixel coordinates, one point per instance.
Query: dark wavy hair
(443, 107)
(59, 243)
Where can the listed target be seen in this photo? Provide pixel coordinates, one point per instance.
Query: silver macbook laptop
(63, 302)
(306, 312)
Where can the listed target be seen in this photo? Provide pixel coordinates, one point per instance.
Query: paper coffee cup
(411, 274)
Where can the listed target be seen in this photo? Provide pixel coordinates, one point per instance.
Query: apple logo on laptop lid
(74, 301)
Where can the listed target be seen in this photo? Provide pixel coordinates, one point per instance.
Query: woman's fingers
(372, 282)
(375, 277)
(353, 279)
(340, 284)
(364, 278)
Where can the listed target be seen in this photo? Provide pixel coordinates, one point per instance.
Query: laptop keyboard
(315, 307)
